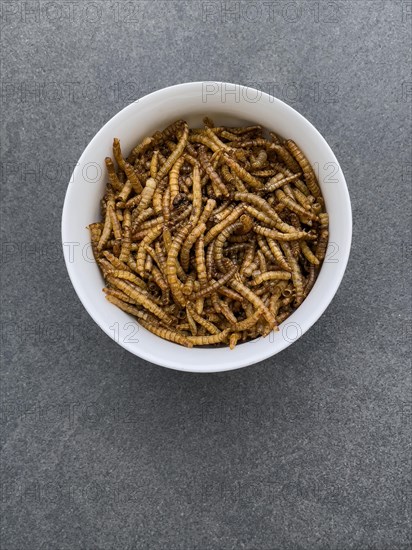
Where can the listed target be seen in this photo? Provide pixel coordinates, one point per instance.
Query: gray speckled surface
(307, 450)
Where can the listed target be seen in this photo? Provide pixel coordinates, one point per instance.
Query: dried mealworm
(216, 229)
(277, 235)
(277, 182)
(168, 334)
(141, 252)
(307, 169)
(229, 293)
(128, 276)
(171, 267)
(264, 206)
(234, 339)
(147, 194)
(242, 173)
(221, 240)
(260, 160)
(208, 340)
(158, 195)
(128, 307)
(140, 298)
(294, 206)
(310, 280)
(116, 262)
(189, 242)
(126, 241)
(271, 276)
(322, 244)
(287, 158)
(197, 197)
(218, 184)
(215, 285)
(95, 233)
(262, 261)
(297, 277)
(116, 227)
(229, 230)
(140, 148)
(114, 180)
(278, 254)
(208, 325)
(200, 261)
(307, 252)
(174, 178)
(154, 163)
(125, 192)
(133, 178)
(254, 300)
(117, 153)
(107, 228)
(249, 322)
(210, 260)
(191, 322)
(260, 216)
(164, 170)
(233, 179)
(118, 294)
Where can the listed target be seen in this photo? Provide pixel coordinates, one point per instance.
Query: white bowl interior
(192, 101)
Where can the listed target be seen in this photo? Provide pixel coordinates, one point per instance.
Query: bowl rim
(256, 357)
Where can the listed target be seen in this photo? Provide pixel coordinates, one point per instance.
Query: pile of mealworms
(211, 235)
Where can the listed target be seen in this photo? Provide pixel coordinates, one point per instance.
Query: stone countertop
(307, 450)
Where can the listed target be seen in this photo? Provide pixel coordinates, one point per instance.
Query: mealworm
(307, 169)
(171, 269)
(147, 194)
(249, 322)
(219, 186)
(208, 340)
(140, 298)
(117, 153)
(140, 148)
(125, 192)
(221, 240)
(217, 230)
(277, 235)
(208, 325)
(307, 252)
(175, 154)
(189, 242)
(294, 206)
(277, 182)
(277, 254)
(95, 233)
(271, 276)
(322, 245)
(174, 178)
(233, 179)
(154, 163)
(114, 180)
(168, 334)
(254, 300)
(116, 227)
(107, 228)
(310, 280)
(141, 252)
(215, 285)
(296, 272)
(126, 238)
(260, 160)
(242, 173)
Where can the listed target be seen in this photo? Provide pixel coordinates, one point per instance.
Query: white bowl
(227, 104)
